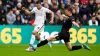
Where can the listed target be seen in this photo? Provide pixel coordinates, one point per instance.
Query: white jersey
(40, 15)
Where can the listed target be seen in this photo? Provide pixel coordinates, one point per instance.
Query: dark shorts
(63, 36)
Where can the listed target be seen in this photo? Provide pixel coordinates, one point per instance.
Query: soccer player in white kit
(40, 16)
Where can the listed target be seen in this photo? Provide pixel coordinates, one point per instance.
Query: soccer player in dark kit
(64, 33)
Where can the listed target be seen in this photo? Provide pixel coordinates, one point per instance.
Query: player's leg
(32, 40)
(40, 35)
(49, 43)
(39, 30)
(42, 43)
(45, 41)
(42, 38)
(36, 34)
(75, 47)
(52, 38)
(71, 48)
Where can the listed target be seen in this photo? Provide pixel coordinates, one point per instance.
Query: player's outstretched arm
(76, 24)
(26, 11)
(52, 17)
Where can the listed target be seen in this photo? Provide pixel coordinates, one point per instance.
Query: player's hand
(64, 16)
(23, 8)
(33, 24)
(80, 25)
(51, 22)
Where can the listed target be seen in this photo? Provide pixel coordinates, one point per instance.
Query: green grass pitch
(57, 50)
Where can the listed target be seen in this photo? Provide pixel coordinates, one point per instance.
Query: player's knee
(70, 49)
(68, 45)
(49, 39)
(37, 38)
(34, 33)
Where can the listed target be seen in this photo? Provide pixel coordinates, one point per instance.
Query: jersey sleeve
(33, 10)
(47, 10)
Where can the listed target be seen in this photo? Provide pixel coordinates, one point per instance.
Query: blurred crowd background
(86, 12)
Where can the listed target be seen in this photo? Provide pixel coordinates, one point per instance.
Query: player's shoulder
(44, 8)
(35, 8)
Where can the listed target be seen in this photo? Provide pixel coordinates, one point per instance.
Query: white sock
(49, 43)
(32, 40)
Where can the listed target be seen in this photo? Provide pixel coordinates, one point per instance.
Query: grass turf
(57, 50)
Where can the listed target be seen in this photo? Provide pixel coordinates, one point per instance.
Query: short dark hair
(69, 9)
(54, 4)
(38, 2)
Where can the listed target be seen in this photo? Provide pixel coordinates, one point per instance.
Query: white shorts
(41, 31)
(39, 28)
